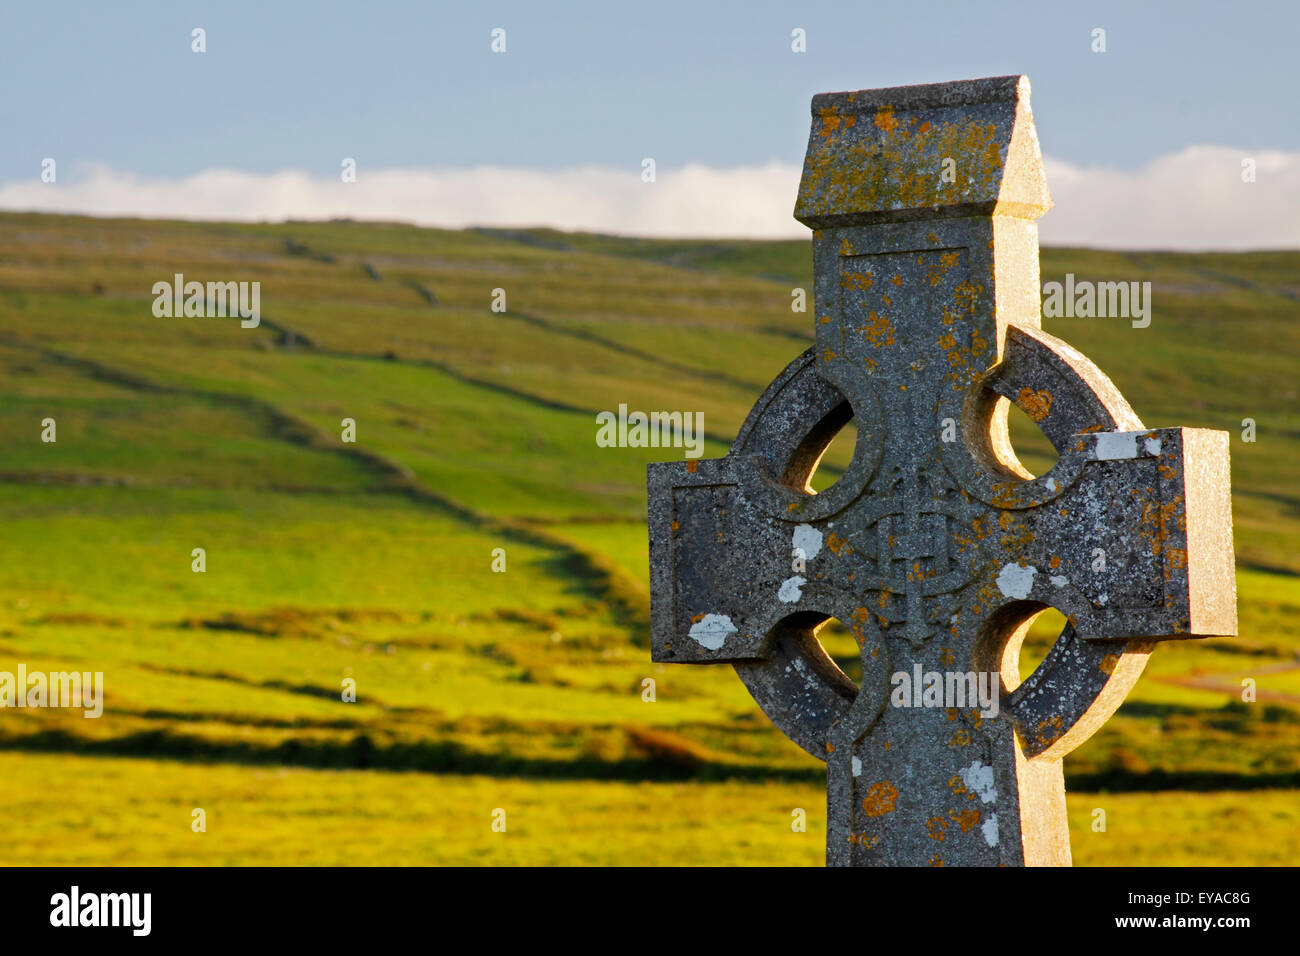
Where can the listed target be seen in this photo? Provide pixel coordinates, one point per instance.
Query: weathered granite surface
(936, 547)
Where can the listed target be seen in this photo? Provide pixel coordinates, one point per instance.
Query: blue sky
(296, 86)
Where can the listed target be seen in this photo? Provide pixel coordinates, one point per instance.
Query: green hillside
(522, 690)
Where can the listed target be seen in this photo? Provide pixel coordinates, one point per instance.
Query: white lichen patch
(807, 541)
(790, 591)
(857, 767)
(1113, 446)
(979, 780)
(1152, 446)
(1015, 581)
(1059, 580)
(990, 830)
(712, 630)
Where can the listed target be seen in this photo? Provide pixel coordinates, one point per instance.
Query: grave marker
(936, 553)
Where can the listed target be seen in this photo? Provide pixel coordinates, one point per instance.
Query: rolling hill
(372, 560)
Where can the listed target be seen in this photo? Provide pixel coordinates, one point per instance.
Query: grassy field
(372, 561)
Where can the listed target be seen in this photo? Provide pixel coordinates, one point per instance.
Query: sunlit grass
(373, 561)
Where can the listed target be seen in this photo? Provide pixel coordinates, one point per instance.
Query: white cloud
(1193, 199)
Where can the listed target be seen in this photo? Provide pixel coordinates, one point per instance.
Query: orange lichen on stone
(878, 329)
(966, 819)
(1107, 665)
(885, 119)
(1005, 496)
(880, 799)
(1036, 404)
(965, 295)
(1157, 522)
(832, 121)
(1049, 731)
(887, 171)
(692, 464)
(921, 574)
(839, 546)
(937, 828)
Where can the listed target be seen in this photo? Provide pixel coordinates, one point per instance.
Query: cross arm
(718, 570)
(1138, 543)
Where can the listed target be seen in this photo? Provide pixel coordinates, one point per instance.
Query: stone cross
(935, 548)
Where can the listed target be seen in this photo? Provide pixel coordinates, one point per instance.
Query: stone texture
(936, 553)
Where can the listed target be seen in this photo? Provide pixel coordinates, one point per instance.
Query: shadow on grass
(436, 757)
(658, 764)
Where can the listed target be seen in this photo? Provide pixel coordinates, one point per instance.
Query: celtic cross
(935, 548)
